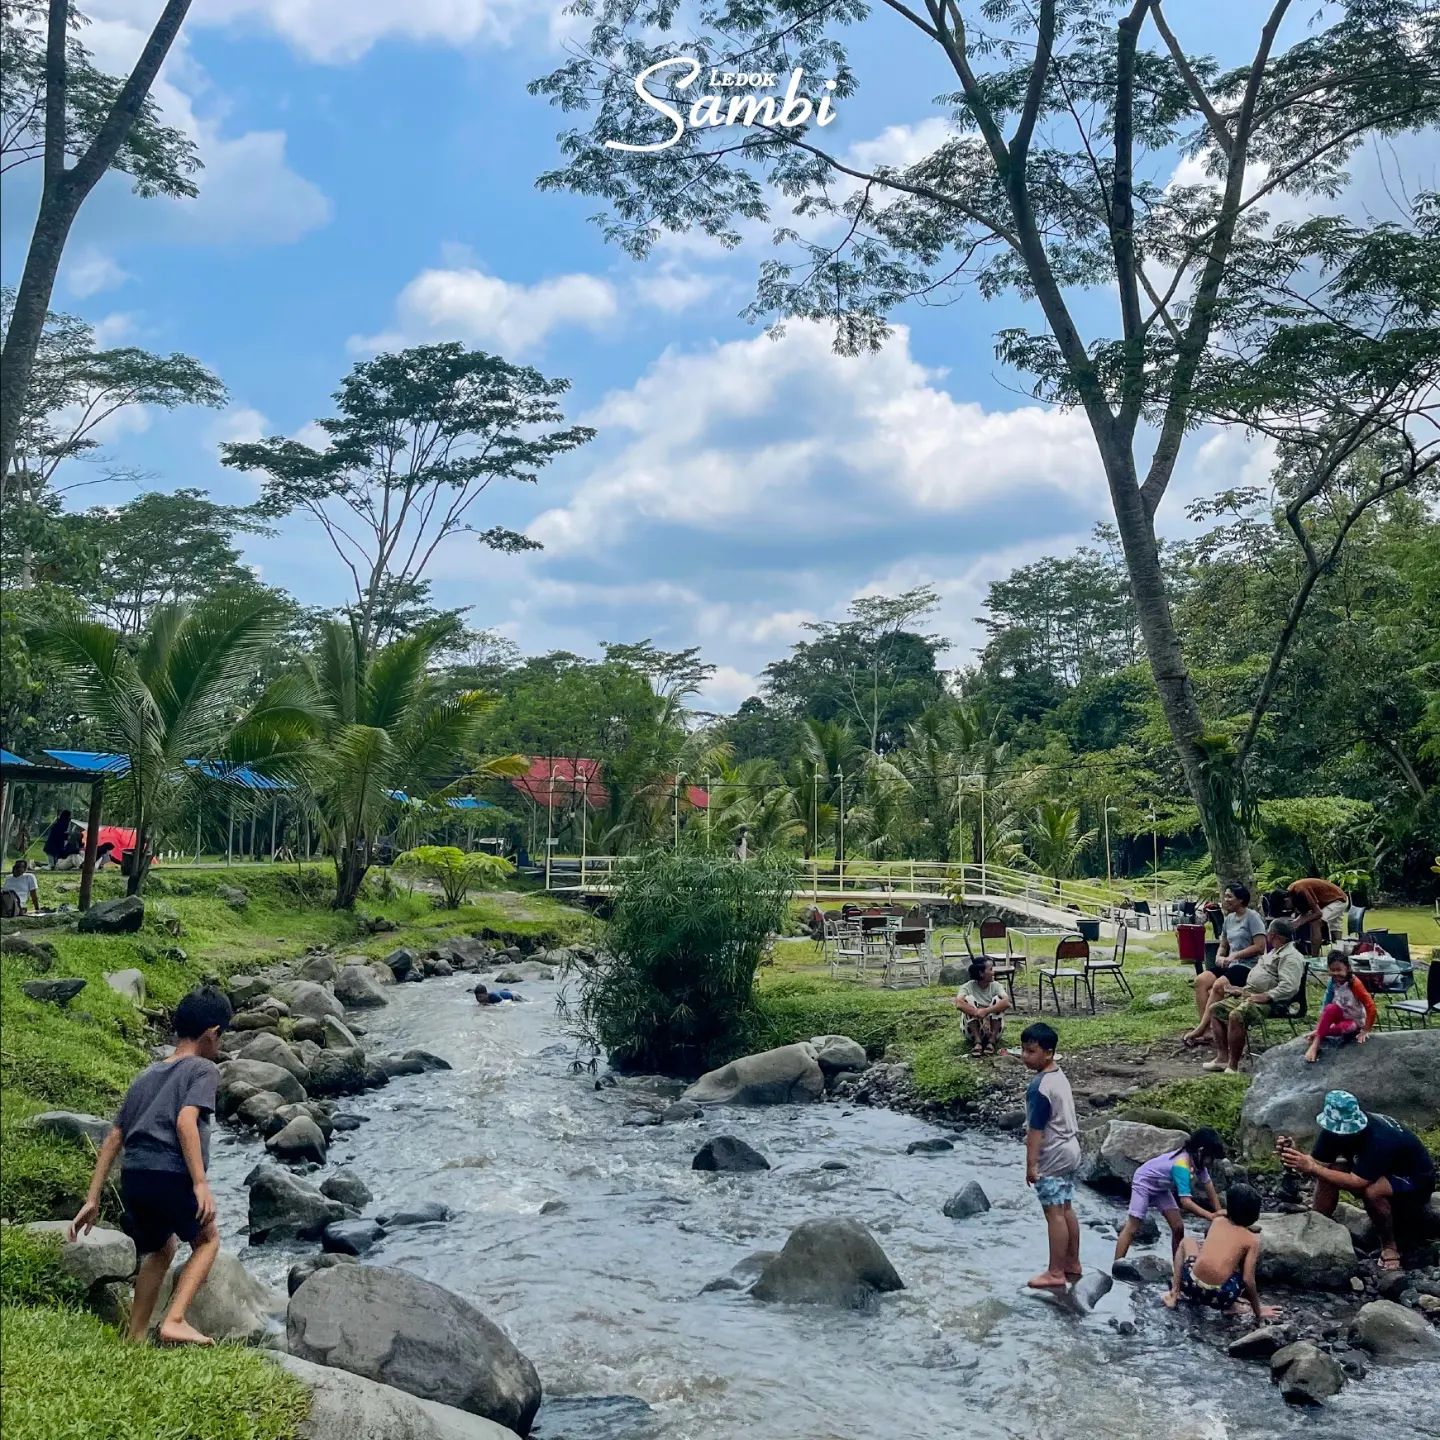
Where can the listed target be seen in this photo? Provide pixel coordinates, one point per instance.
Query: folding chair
(1108, 962)
(1070, 947)
(1141, 909)
(909, 954)
(1408, 1011)
(874, 942)
(1294, 1012)
(842, 941)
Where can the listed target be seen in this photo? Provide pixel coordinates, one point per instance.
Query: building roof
(95, 762)
(558, 782)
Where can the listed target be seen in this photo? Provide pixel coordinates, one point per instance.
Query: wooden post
(4, 820)
(92, 842)
(274, 815)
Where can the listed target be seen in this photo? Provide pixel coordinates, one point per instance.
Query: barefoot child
(1052, 1154)
(163, 1127)
(1347, 1008)
(983, 1002)
(1215, 1274)
(1168, 1183)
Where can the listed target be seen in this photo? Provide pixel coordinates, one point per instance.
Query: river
(605, 1297)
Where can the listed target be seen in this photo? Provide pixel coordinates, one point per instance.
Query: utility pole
(840, 858)
(677, 812)
(1106, 803)
(549, 823)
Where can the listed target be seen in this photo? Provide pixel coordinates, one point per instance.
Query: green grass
(1213, 1100)
(68, 1376)
(1412, 920)
(30, 1272)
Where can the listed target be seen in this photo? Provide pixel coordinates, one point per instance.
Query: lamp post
(840, 857)
(1106, 817)
(1155, 862)
(549, 821)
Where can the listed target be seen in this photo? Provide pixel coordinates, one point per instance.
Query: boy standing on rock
(163, 1127)
(1052, 1154)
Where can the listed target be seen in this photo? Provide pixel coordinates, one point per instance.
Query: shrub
(456, 872)
(30, 1272)
(686, 933)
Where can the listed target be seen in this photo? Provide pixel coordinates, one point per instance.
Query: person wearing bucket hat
(1370, 1156)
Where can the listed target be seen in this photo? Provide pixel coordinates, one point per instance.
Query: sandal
(977, 1052)
(1390, 1260)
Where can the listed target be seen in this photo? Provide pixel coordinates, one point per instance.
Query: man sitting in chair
(1274, 981)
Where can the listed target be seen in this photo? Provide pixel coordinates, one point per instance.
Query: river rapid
(605, 1298)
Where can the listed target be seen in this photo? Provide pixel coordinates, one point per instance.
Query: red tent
(120, 836)
(560, 783)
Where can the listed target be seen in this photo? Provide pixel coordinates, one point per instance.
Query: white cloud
(726, 688)
(900, 146)
(311, 434)
(89, 271)
(240, 424)
(671, 288)
(467, 304)
(114, 329)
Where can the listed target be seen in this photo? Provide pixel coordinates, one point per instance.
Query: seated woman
(1347, 1008)
(983, 1002)
(62, 839)
(1242, 943)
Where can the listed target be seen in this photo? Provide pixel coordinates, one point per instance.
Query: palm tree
(754, 794)
(178, 696)
(830, 758)
(387, 735)
(1055, 839)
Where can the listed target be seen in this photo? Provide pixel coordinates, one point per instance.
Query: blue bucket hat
(1342, 1114)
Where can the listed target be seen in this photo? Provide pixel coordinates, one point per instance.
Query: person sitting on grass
(1218, 1272)
(1052, 1154)
(983, 1002)
(1274, 982)
(1373, 1157)
(1168, 1183)
(20, 887)
(1347, 1008)
(163, 1128)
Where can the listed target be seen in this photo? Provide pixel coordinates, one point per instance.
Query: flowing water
(605, 1297)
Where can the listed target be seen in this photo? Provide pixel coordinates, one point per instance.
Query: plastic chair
(1108, 962)
(1355, 920)
(1070, 947)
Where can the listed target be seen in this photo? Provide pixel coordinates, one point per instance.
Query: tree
(1055, 840)
(418, 438)
(1043, 187)
(454, 871)
(59, 108)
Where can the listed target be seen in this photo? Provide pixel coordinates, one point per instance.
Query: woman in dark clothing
(62, 839)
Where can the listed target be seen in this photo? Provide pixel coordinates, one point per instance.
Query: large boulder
(263, 1076)
(72, 1125)
(1120, 1148)
(783, 1076)
(300, 1142)
(349, 1407)
(305, 997)
(357, 987)
(129, 983)
(231, 1305)
(397, 1329)
(243, 989)
(1394, 1073)
(348, 1188)
(725, 1152)
(837, 1054)
(402, 962)
(336, 1034)
(53, 992)
(273, 1051)
(94, 1258)
(1305, 1374)
(352, 1237)
(970, 1200)
(320, 969)
(123, 916)
(314, 1109)
(828, 1262)
(1391, 1332)
(338, 1072)
(1307, 1251)
(282, 1205)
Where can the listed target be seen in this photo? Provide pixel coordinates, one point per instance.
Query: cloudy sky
(369, 182)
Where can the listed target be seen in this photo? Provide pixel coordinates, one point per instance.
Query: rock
(307, 1030)
(305, 997)
(283, 1205)
(1148, 1231)
(380, 925)
(348, 1188)
(1143, 1269)
(1160, 999)
(300, 1142)
(554, 1207)
(349, 1407)
(52, 992)
(1124, 1146)
(1306, 1374)
(969, 1200)
(782, 1076)
(91, 1259)
(338, 1072)
(376, 1076)
(352, 1237)
(274, 1051)
(642, 1118)
(1428, 1304)
(123, 916)
(231, 1305)
(427, 1212)
(401, 962)
(242, 989)
(1307, 1250)
(233, 895)
(337, 1035)
(828, 1262)
(248, 1020)
(71, 1125)
(233, 1096)
(833, 1165)
(318, 968)
(357, 987)
(129, 983)
(439, 967)
(312, 1109)
(396, 1329)
(837, 1054)
(41, 952)
(383, 975)
(681, 1110)
(1390, 1332)
(1011, 1121)
(1394, 1073)
(727, 1153)
(263, 1076)
(302, 1270)
(936, 1145)
(260, 1111)
(1359, 1224)
(1261, 1343)
(953, 974)
(428, 1061)
(395, 1066)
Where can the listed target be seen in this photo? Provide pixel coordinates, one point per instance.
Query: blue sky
(370, 181)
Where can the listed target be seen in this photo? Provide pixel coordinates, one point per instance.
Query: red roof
(698, 796)
(561, 782)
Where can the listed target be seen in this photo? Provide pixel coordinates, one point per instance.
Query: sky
(369, 183)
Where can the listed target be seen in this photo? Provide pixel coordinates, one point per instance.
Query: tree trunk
(350, 870)
(140, 868)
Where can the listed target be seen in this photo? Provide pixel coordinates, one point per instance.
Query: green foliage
(685, 937)
(30, 1271)
(67, 1374)
(1213, 1100)
(456, 872)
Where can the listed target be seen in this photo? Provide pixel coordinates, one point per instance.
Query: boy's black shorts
(158, 1204)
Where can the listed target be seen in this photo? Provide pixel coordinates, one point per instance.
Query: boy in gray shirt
(1052, 1154)
(163, 1128)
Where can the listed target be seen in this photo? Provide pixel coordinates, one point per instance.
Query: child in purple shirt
(1169, 1183)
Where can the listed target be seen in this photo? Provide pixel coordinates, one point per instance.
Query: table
(1027, 933)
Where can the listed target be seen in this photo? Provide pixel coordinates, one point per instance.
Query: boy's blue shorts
(1055, 1189)
(158, 1204)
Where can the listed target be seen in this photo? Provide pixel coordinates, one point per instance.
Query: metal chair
(1141, 910)
(874, 942)
(1355, 920)
(843, 947)
(1108, 962)
(1293, 1012)
(1408, 1011)
(1070, 947)
(909, 954)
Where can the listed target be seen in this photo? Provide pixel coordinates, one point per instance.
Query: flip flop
(1390, 1260)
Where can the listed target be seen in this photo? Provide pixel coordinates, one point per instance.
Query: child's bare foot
(1047, 1280)
(181, 1332)
(1312, 1054)
(1074, 1276)
(1170, 1299)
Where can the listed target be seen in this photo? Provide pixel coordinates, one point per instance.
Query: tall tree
(417, 439)
(1059, 118)
(61, 109)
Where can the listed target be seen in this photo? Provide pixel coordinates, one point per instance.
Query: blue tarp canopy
(9, 757)
(241, 775)
(469, 802)
(93, 762)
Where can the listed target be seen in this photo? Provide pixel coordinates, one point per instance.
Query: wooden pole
(4, 820)
(274, 815)
(92, 843)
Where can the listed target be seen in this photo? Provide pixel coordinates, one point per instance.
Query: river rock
(428, 1061)
(681, 1110)
(397, 1065)
(72, 1125)
(377, 1077)
(1306, 1374)
(397, 1329)
(248, 1021)
(231, 1304)
(313, 1109)
(837, 1054)
(1143, 1269)
(302, 1270)
(305, 997)
(1359, 1224)
(349, 1407)
(320, 969)
(274, 1051)
(427, 1212)
(640, 1118)
(1261, 1343)
(969, 1200)
(129, 983)
(299, 1143)
(242, 989)
(383, 975)
(91, 1259)
(233, 1096)
(123, 916)
(786, 1075)
(401, 961)
(259, 1112)
(1306, 1250)
(337, 1034)
(439, 967)
(1390, 1332)
(357, 987)
(53, 992)
(352, 1237)
(1393, 1073)
(283, 1205)
(828, 1262)
(338, 1072)
(263, 1076)
(727, 1153)
(1123, 1147)
(348, 1188)
(935, 1145)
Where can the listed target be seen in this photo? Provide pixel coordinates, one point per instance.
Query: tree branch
(56, 93)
